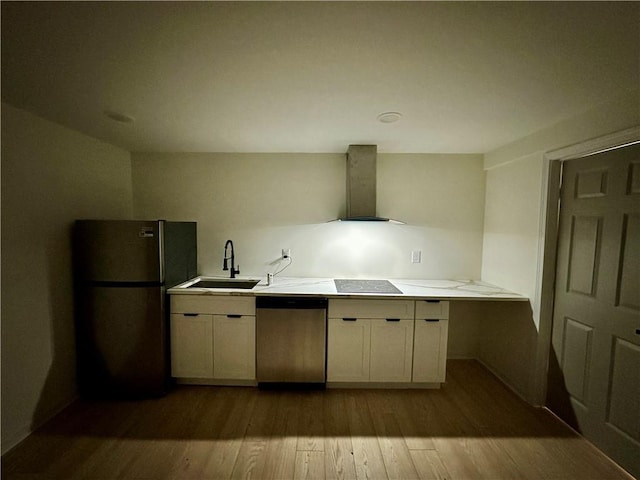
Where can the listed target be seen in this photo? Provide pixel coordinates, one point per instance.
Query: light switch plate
(416, 256)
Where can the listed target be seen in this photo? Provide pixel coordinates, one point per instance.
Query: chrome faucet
(225, 267)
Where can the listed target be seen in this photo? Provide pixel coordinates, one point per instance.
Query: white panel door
(348, 347)
(234, 347)
(594, 372)
(391, 350)
(191, 345)
(430, 350)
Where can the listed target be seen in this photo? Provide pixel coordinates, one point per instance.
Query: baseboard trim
(385, 385)
(19, 436)
(505, 382)
(216, 382)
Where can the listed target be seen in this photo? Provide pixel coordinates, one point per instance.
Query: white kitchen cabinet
(191, 345)
(213, 337)
(391, 350)
(370, 340)
(430, 342)
(234, 347)
(348, 347)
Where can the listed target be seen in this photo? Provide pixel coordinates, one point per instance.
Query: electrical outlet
(286, 253)
(416, 256)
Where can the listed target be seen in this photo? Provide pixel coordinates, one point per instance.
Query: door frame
(548, 246)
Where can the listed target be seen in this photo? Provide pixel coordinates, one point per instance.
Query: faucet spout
(225, 265)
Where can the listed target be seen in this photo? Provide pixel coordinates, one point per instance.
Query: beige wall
(514, 240)
(610, 117)
(50, 176)
(512, 225)
(266, 202)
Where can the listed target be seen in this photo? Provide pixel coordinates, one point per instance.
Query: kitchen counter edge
(324, 287)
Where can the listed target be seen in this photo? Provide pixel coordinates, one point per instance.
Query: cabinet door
(430, 350)
(191, 345)
(391, 350)
(234, 347)
(348, 346)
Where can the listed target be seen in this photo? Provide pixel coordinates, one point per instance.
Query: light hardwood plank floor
(472, 428)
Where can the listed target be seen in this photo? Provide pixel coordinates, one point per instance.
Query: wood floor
(472, 428)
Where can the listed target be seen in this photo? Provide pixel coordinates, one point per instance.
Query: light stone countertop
(325, 287)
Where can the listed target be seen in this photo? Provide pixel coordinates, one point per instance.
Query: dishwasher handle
(304, 303)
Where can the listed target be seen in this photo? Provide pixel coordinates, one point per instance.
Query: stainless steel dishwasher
(291, 336)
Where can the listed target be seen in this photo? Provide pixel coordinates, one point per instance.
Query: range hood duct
(361, 184)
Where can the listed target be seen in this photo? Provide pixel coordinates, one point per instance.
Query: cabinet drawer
(219, 304)
(432, 309)
(355, 308)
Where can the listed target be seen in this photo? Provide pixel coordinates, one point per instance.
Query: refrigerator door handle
(161, 258)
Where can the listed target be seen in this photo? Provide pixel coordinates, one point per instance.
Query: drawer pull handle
(432, 301)
(235, 315)
(393, 319)
(431, 319)
(349, 319)
(190, 314)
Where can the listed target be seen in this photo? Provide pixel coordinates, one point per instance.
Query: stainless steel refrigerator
(122, 270)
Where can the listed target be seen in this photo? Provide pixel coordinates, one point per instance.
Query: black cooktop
(345, 285)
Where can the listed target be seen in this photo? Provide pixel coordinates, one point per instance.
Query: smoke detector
(389, 117)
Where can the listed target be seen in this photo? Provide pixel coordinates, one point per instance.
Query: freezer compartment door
(122, 339)
(118, 251)
(180, 252)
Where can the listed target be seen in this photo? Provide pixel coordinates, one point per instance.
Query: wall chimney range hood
(361, 184)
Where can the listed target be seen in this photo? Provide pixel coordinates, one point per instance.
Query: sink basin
(225, 283)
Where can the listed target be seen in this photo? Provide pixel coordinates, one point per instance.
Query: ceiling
(313, 76)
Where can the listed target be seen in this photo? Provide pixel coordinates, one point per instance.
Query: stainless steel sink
(225, 283)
